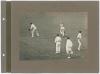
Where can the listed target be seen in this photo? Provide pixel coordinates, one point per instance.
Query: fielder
(58, 43)
(62, 30)
(69, 45)
(79, 36)
(33, 30)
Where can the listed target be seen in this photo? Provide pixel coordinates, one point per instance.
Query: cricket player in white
(69, 45)
(62, 30)
(58, 43)
(79, 36)
(33, 30)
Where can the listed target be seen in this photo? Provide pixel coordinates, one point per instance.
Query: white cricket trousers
(33, 32)
(79, 42)
(58, 46)
(62, 32)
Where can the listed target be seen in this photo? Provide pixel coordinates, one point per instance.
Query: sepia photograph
(53, 35)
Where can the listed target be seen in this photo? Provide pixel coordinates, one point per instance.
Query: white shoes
(57, 52)
(78, 49)
(68, 57)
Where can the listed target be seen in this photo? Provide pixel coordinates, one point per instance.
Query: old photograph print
(53, 35)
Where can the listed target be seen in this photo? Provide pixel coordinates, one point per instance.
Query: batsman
(33, 30)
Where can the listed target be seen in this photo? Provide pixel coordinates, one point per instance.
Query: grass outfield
(44, 49)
